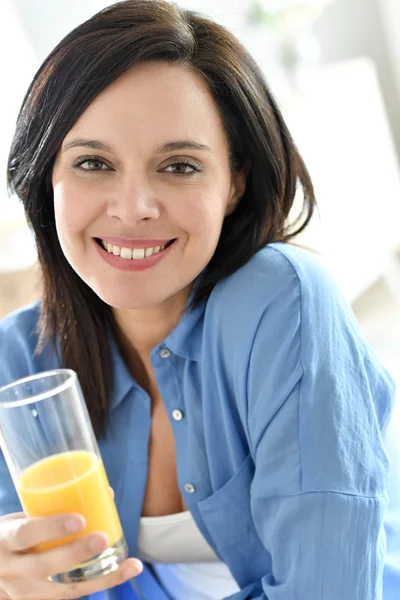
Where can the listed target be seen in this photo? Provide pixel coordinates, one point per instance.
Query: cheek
(72, 215)
(62, 215)
(201, 214)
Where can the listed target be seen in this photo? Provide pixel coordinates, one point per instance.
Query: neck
(140, 330)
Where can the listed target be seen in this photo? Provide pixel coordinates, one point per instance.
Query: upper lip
(135, 243)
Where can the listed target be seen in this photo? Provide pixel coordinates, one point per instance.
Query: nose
(133, 201)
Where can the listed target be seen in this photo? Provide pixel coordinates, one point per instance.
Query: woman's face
(142, 184)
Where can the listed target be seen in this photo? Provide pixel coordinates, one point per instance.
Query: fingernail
(73, 525)
(97, 544)
(132, 570)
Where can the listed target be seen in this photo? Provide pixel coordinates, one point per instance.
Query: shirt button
(177, 414)
(165, 353)
(189, 488)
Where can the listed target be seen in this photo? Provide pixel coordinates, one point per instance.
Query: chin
(123, 302)
(128, 300)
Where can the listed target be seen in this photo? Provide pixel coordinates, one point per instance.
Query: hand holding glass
(54, 460)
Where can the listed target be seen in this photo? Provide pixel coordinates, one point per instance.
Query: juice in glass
(75, 482)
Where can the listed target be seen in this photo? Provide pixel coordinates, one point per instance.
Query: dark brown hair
(83, 64)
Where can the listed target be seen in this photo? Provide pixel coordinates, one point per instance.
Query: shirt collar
(185, 340)
(122, 380)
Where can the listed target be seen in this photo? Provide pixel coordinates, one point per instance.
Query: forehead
(152, 101)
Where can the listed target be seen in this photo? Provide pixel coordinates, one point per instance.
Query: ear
(238, 188)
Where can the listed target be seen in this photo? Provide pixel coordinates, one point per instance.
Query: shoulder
(24, 319)
(18, 342)
(261, 314)
(19, 328)
(282, 276)
(283, 304)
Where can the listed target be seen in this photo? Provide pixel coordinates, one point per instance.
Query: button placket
(177, 414)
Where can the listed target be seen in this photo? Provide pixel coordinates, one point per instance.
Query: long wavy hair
(81, 66)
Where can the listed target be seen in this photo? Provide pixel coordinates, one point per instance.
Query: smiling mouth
(132, 253)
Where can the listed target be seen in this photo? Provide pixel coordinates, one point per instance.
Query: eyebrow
(167, 147)
(85, 143)
(181, 145)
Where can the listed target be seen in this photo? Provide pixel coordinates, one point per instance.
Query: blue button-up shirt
(281, 453)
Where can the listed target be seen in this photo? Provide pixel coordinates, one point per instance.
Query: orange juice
(71, 482)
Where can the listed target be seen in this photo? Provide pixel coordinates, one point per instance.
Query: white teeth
(131, 253)
(138, 253)
(126, 253)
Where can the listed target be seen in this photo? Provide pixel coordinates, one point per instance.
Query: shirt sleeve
(318, 402)
(15, 358)
(391, 573)
(9, 501)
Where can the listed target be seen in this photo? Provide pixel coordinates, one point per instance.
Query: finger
(18, 515)
(113, 493)
(66, 557)
(24, 533)
(34, 587)
(127, 570)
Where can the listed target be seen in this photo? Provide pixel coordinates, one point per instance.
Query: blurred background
(334, 67)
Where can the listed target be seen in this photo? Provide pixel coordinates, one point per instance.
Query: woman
(240, 414)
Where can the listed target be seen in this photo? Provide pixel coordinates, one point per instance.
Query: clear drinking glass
(53, 457)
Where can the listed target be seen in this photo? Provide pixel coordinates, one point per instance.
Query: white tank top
(182, 559)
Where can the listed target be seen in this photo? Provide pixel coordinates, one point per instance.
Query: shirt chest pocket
(227, 516)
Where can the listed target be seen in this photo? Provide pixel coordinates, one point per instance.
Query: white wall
(353, 28)
(390, 10)
(47, 21)
(17, 65)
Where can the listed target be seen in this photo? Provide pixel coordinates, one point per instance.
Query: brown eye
(91, 163)
(183, 168)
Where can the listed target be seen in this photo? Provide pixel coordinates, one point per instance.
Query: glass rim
(61, 387)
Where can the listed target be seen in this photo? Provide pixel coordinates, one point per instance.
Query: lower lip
(130, 264)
